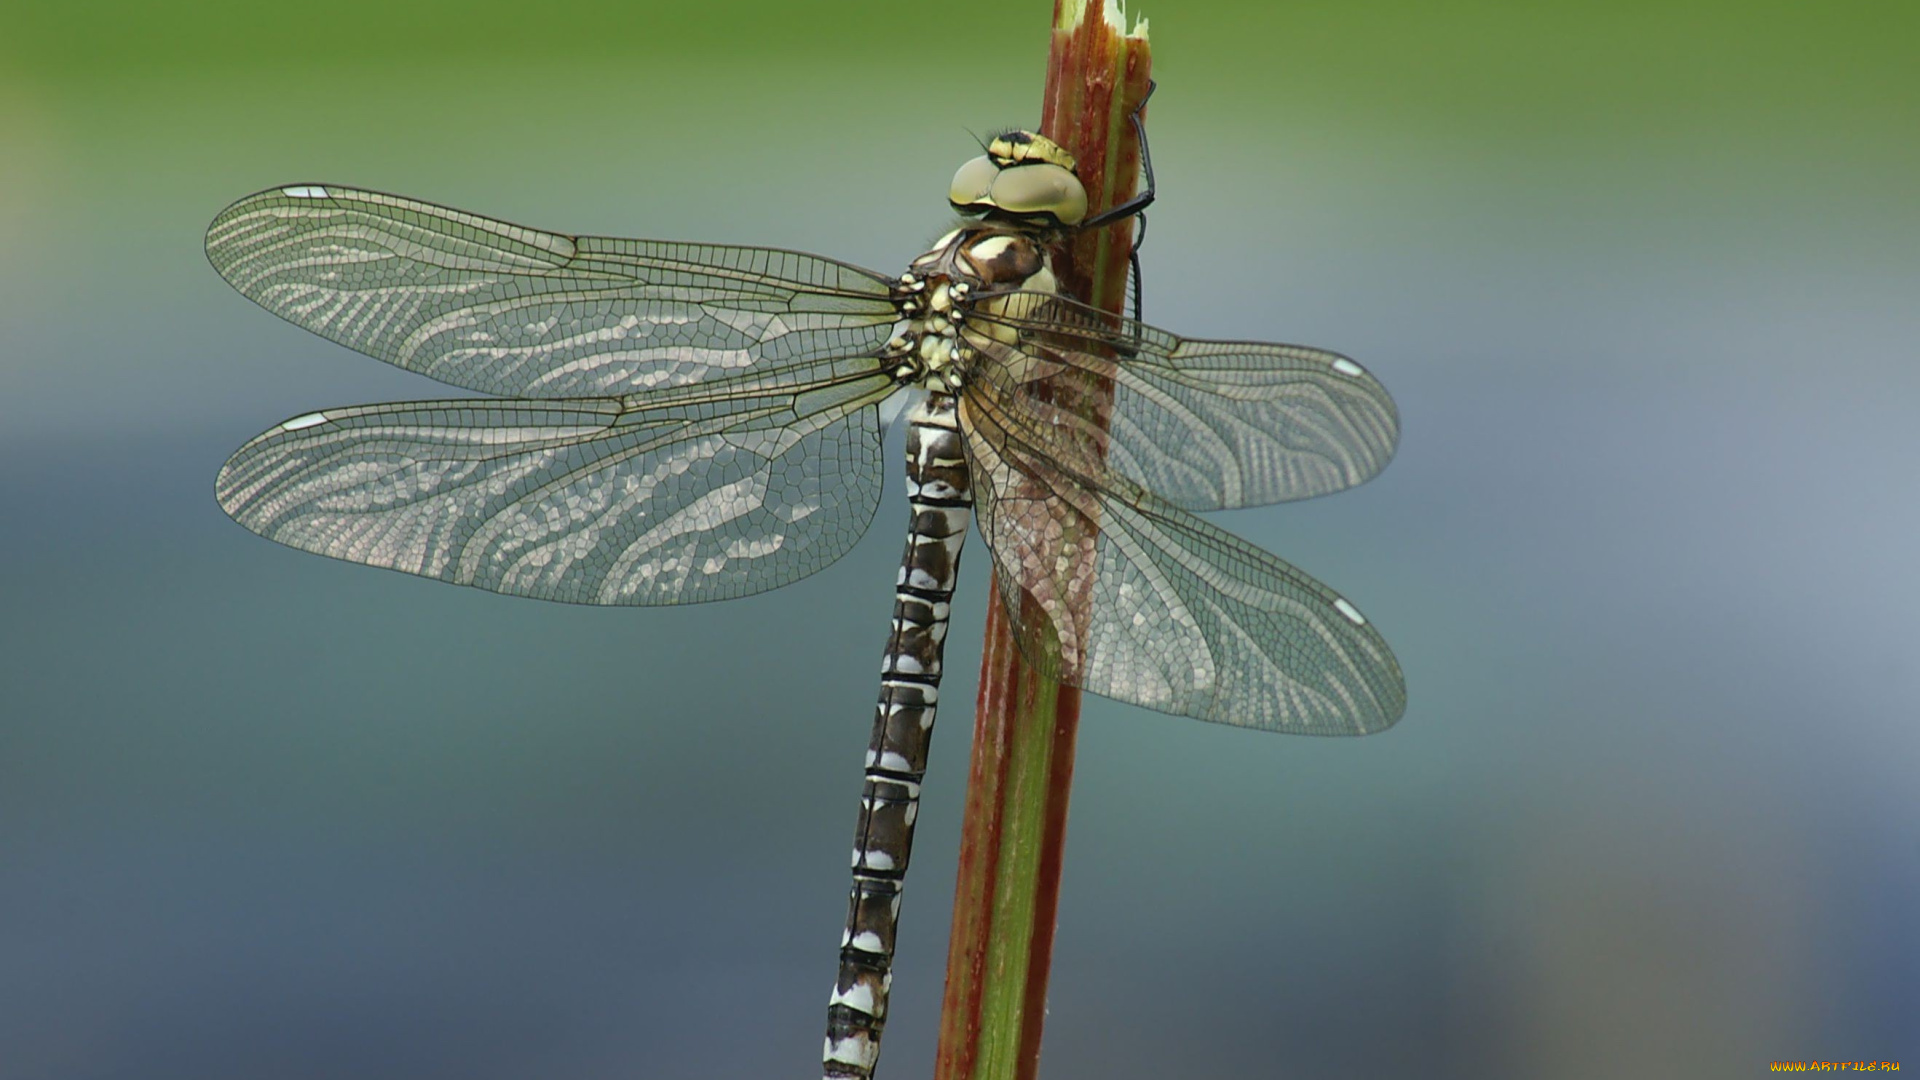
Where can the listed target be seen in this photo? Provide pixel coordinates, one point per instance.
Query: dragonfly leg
(1134, 206)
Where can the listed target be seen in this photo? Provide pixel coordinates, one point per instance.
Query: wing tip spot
(1347, 367)
(305, 191)
(312, 419)
(1352, 613)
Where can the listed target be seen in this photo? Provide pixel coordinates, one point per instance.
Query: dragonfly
(676, 423)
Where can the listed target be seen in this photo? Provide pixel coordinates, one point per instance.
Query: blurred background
(1642, 276)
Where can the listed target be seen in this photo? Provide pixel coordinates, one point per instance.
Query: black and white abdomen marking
(940, 494)
(968, 264)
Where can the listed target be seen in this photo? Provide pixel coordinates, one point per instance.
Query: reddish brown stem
(1014, 833)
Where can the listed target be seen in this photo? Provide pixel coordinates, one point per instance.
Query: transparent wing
(1205, 425)
(1129, 597)
(590, 501)
(518, 312)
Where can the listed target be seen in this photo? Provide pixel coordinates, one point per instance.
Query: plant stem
(1014, 832)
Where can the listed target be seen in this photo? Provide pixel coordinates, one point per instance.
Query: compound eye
(972, 186)
(1035, 188)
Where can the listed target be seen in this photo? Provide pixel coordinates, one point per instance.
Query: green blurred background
(1642, 277)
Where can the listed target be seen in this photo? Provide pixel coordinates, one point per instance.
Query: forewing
(588, 501)
(1134, 599)
(519, 312)
(1205, 425)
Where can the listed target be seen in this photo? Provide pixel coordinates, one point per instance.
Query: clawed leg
(1135, 207)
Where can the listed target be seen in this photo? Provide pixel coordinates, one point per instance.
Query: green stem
(1014, 832)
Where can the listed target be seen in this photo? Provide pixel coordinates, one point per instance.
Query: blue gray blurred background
(1642, 277)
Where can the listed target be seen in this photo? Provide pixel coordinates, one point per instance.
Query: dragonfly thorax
(985, 268)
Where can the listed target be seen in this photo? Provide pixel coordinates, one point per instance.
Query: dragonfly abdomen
(940, 493)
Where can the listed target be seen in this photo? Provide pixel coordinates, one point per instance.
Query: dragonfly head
(1023, 177)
